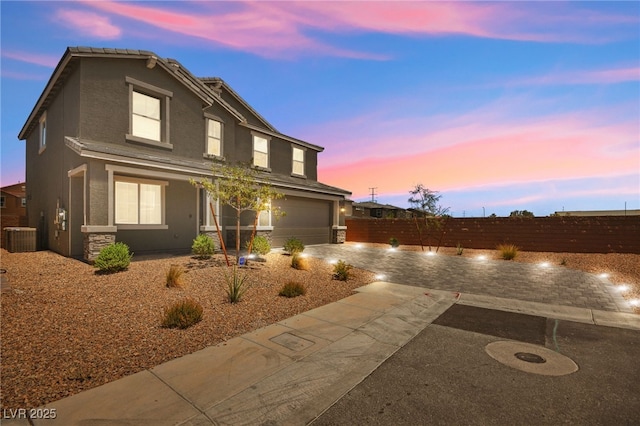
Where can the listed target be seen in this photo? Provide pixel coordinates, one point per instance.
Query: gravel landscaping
(66, 329)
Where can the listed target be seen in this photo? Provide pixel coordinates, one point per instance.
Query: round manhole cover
(529, 357)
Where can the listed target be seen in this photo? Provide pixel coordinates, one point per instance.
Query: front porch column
(95, 238)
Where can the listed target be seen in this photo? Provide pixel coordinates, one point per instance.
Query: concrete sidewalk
(292, 371)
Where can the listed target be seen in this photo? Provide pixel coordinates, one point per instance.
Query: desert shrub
(237, 285)
(563, 262)
(182, 314)
(174, 276)
(113, 258)
(293, 289)
(260, 245)
(393, 242)
(508, 251)
(341, 270)
(293, 246)
(203, 246)
(299, 262)
(459, 249)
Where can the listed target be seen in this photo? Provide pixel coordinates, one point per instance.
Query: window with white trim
(145, 116)
(139, 202)
(260, 151)
(42, 133)
(298, 161)
(23, 202)
(214, 138)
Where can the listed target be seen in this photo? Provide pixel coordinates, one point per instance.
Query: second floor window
(214, 137)
(298, 162)
(148, 114)
(3, 202)
(145, 117)
(260, 152)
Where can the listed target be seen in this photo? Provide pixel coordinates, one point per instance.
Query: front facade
(116, 136)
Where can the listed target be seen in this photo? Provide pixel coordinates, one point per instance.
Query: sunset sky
(499, 106)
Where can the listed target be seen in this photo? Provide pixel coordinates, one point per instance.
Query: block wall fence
(599, 234)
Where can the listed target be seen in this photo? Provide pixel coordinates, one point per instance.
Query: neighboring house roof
(135, 156)
(373, 205)
(18, 190)
(172, 66)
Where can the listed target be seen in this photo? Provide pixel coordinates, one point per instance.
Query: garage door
(306, 219)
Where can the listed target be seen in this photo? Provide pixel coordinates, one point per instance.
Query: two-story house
(115, 137)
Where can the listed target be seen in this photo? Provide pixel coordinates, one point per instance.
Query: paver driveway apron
(553, 284)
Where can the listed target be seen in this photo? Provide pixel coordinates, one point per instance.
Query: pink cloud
(605, 76)
(552, 149)
(279, 28)
(248, 28)
(89, 24)
(22, 76)
(32, 58)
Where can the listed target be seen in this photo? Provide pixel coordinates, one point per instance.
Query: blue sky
(497, 105)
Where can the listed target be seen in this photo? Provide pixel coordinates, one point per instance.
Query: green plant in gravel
(237, 284)
(293, 289)
(203, 246)
(293, 246)
(508, 251)
(260, 245)
(393, 242)
(182, 314)
(299, 262)
(174, 276)
(341, 270)
(113, 258)
(563, 262)
(459, 249)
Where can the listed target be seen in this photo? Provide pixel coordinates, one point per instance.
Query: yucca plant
(459, 249)
(174, 276)
(182, 314)
(508, 251)
(237, 285)
(293, 289)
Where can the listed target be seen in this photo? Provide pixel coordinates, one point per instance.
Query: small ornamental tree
(426, 204)
(240, 188)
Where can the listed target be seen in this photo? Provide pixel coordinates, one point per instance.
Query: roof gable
(173, 67)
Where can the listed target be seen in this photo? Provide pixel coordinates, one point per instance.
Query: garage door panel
(307, 220)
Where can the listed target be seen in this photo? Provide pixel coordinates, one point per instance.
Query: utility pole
(373, 194)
